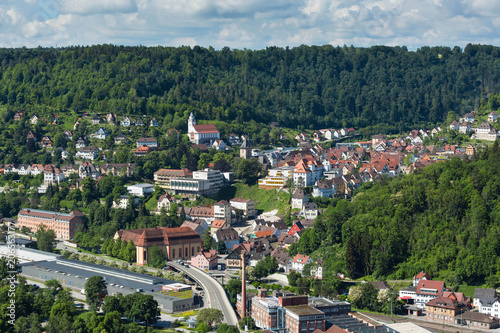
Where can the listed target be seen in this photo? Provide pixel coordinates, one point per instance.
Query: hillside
(444, 219)
(384, 89)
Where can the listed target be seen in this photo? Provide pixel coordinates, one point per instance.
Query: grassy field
(467, 290)
(265, 200)
(152, 203)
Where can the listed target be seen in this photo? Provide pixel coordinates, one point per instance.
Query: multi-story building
(215, 178)
(64, 225)
(162, 177)
(87, 153)
(118, 169)
(304, 319)
(246, 206)
(51, 174)
(190, 186)
(222, 211)
(428, 290)
(443, 309)
(205, 260)
(150, 142)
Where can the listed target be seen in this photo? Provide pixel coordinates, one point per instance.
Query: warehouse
(74, 274)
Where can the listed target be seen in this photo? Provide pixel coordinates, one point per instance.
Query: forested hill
(444, 219)
(317, 86)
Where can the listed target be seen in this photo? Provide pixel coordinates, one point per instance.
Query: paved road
(216, 296)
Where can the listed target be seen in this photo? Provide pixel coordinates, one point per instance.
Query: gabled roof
(208, 128)
(218, 223)
(483, 292)
(301, 259)
(425, 285)
(298, 194)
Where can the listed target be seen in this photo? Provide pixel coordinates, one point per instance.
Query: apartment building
(63, 224)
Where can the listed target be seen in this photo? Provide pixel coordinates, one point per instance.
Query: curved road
(216, 295)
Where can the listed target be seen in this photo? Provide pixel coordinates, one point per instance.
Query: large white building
(215, 178)
(141, 190)
(202, 134)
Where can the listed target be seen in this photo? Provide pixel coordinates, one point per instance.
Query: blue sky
(252, 24)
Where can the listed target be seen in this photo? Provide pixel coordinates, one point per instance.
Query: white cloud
(248, 23)
(92, 7)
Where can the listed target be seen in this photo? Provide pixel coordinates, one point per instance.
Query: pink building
(205, 260)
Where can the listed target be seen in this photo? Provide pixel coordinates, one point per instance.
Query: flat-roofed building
(304, 319)
(63, 224)
(245, 205)
(215, 178)
(190, 186)
(176, 243)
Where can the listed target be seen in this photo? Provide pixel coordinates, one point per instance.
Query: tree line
(379, 88)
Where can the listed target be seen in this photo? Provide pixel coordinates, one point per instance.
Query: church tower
(191, 123)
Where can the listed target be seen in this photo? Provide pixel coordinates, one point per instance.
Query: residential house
(492, 116)
(283, 259)
(150, 142)
(464, 128)
(118, 169)
(310, 210)
(111, 118)
(24, 169)
(122, 202)
(87, 169)
(69, 169)
(52, 175)
(219, 145)
(34, 120)
(229, 236)
(139, 122)
(96, 120)
(470, 150)
(121, 139)
(31, 135)
(420, 276)
(233, 139)
(64, 152)
(325, 188)
(218, 225)
(87, 153)
(47, 142)
(142, 151)
(222, 211)
(199, 226)
(36, 169)
(126, 121)
(164, 201)
(297, 227)
(101, 134)
(154, 123)
(81, 143)
(205, 260)
(480, 293)
(299, 198)
(19, 115)
(299, 261)
(68, 135)
(173, 132)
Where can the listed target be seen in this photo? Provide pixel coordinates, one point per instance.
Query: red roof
(208, 128)
(430, 287)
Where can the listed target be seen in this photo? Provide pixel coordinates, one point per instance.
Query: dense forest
(304, 87)
(444, 219)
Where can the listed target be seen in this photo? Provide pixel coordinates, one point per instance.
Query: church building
(202, 134)
(176, 243)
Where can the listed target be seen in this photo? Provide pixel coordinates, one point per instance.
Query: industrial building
(74, 274)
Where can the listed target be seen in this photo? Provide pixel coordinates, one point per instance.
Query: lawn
(152, 203)
(467, 290)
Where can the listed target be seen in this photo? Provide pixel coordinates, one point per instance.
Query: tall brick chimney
(243, 287)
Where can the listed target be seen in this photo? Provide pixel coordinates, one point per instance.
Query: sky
(250, 24)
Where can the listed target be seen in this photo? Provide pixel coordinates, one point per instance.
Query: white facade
(247, 206)
(489, 306)
(215, 178)
(140, 190)
(87, 153)
(222, 211)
